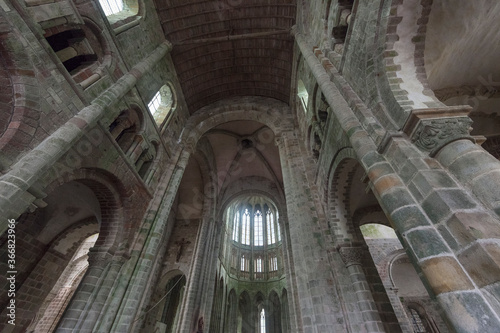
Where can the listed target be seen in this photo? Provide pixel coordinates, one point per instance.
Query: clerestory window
(162, 104)
(119, 12)
(258, 232)
(111, 7)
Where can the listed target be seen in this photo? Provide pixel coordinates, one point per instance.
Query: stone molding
(432, 129)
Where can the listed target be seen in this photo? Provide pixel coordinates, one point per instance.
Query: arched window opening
(258, 265)
(111, 7)
(273, 264)
(262, 321)
(245, 228)
(258, 231)
(118, 10)
(162, 104)
(73, 49)
(65, 287)
(244, 264)
(271, 235)
(125, 127)
(303, 94)
(235, 226)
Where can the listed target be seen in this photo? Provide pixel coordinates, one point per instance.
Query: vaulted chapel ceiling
(230, 47)
(245, 149)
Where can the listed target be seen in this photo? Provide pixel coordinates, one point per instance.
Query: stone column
(352, 258)
(85, 307)
(318, 302)
(475, 168)
(195, 281)
(135, 274)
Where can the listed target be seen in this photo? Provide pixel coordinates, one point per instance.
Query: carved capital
(432, 129)
(351, 255)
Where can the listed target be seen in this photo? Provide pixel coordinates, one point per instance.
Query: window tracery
(252, 239)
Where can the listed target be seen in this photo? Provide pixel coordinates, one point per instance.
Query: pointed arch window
(262, 321)
(235, 226)
(244, 264)
(245, 228)
(258, 265)
(271, 235)
(273, 264)
(278, 227)
(258, 229)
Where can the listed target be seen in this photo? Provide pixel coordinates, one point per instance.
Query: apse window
(271, 235)
(258, 265)
(258, 232)
(262, 321)
(273, 264)
(162, 104)
(244, 264)
(245, 228)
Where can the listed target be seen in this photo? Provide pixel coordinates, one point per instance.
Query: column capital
(433, 128)
(351, 255)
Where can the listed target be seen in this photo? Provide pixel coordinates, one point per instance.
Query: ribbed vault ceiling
(230, 47)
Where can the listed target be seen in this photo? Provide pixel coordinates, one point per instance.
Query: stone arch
(338, 208)
(245, 322)
(415, 308)
(348, 202)
(57, 300)
(273, 315)
(68, 240)
(400, 76)
(126, 126)
(171, 289)
(231, 317)
(285, 313)
(82, 49)
(370, 214)
(20, 105)
(268, 111)
(54, 234)
(109, 192)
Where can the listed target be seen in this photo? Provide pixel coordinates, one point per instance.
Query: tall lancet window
(235, 226)
(278, 225)
(262, 321)
(258, 229)
(271, 235)
(245, 228)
